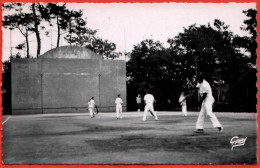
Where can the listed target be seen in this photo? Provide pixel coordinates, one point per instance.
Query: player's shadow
(160, 121)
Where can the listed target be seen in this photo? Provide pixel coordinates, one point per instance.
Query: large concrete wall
(26, 86)
(49, 85)
(68, 84)
(113, 82)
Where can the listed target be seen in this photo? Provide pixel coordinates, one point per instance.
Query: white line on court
(6, 120)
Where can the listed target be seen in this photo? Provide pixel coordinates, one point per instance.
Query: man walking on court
(149, 100)
(119, 103)
(206, 102)
(91, 105)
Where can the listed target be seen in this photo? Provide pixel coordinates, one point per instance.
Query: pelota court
(78, 139)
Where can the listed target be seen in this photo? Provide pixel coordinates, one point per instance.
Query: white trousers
(119, 111)
(206, 109)
(149, 107)
(184, 110)
(91, 111)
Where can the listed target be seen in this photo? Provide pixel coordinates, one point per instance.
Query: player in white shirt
(184, 107)
(207, 101)
(119, 103)
(149, 100)
(91, 105)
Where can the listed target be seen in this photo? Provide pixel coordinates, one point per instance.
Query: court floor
(75, 138)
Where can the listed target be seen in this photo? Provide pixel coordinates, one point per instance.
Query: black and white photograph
(129, 83)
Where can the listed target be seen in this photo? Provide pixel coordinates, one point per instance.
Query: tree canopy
(212, 50)
(32, 18)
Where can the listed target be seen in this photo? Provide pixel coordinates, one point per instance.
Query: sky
(128, 24)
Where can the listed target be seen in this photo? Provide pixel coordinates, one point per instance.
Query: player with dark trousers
(138, 101)
(206, 102)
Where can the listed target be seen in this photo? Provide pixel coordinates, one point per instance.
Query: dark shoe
(220, 129)
(199, 131)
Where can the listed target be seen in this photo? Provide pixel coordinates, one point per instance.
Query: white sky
(128, 24)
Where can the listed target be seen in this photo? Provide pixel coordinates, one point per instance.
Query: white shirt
(91, 103)
(204, 87)
(148, 98)
(119, 101)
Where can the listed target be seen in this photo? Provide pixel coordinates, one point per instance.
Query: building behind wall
(64, 79)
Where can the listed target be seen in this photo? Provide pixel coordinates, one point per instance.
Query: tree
(103, 47)
(214, 51)
(59, 13)
(6, 87)
(244, 90)
(204, 48)
(248, 43)
(249, 70)
(37, 20)
(78, 33)
(152, 67)
(250, 25)
(20, 20)
(29, 20)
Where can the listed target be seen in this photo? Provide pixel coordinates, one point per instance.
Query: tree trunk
(36, 24)
(58, 39)
(70, 33)
(27, 44)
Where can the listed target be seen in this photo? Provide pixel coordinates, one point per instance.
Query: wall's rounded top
(71, 52)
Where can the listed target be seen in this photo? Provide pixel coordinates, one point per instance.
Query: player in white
(119, 103)
(149, 100)
(184, 107)
(91, 105)
(206, 101)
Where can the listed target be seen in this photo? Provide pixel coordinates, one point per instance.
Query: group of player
(206, 103)
(92, 106)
